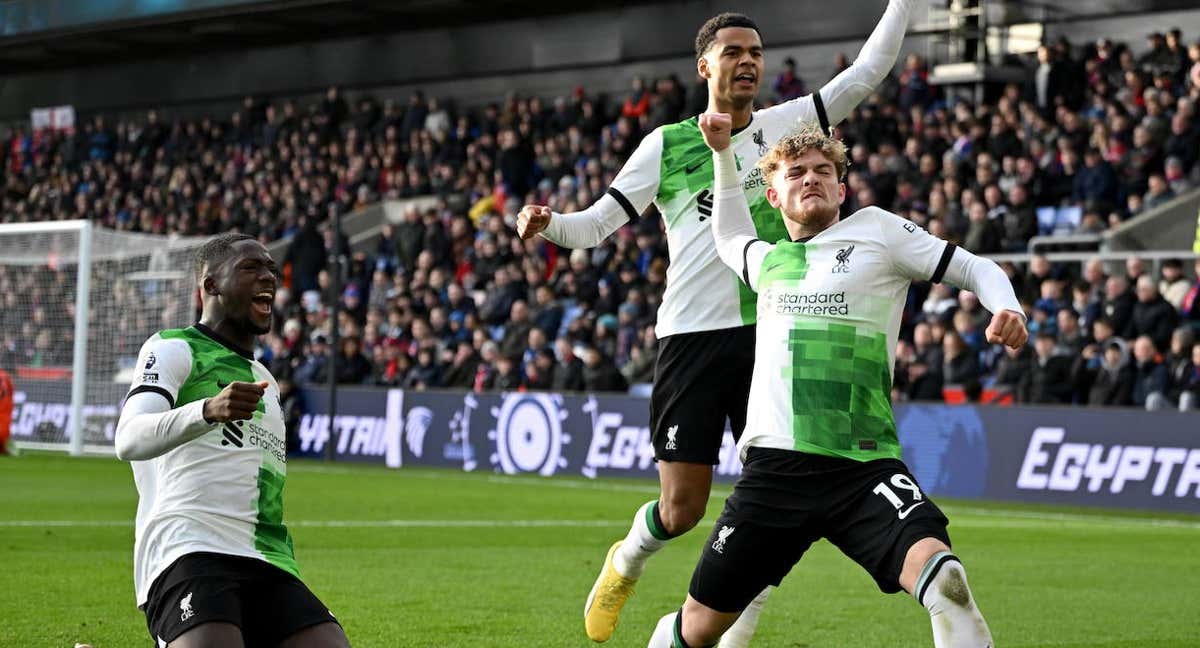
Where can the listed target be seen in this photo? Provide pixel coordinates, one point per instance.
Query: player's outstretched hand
(717, 129)
(531, 220)
(1007, 328)
(236, 402)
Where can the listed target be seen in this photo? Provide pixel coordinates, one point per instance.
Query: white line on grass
(434, 524)
(964, 518)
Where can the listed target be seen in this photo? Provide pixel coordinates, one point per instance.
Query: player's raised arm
(733, 229)
(875, 60)
(151, 425)
(631, 192)
(922, 256)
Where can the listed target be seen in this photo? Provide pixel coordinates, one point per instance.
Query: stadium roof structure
(34, 38)
(37, 35)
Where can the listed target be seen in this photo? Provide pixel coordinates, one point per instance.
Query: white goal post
(76, 303)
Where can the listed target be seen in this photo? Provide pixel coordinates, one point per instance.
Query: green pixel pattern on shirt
(840, 391)
(212, 362)
(271, 536)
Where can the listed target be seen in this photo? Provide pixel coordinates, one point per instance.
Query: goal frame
(79, 351)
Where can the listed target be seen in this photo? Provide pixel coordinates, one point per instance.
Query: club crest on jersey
(843, 260)
(761, 141)
(151, 359)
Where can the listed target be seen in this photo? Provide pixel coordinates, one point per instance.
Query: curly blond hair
(799, 142)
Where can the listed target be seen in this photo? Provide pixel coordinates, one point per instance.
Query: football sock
(669, 633)
(942, 589)
(645, 537)
(742, 631)
(664, 632)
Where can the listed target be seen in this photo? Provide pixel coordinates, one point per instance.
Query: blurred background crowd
(450, 298)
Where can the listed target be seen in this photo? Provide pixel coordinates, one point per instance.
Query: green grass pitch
(441, 559)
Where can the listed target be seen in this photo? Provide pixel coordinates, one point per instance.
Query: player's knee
(701, 626)
(681, 512)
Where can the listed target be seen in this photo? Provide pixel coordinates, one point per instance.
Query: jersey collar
(738, 130)
(841, 217)
(224, 341)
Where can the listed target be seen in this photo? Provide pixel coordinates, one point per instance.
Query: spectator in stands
(1189, 397)
(1048, 379)
(312, 369)
(1173, 286)
(1158, 192)
(1012, 368)
(1179, 362)
(638, 101)
(1113, 381)
(599, 372)
(961, 363)
(353, 368)
(1150, 376)
(425, 373)
(1096, 183)
(568, 372)
(508, 375)
(788, 85)
(1118, 305)
(642, 358)
(1020, 220)
(1071, 338)
(1189, 309)
(1152, 315)
(1050, 80)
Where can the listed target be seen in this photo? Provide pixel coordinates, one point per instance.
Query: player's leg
(702, 622)
(216, 634)
(742, 631)
(742, 557)
(282, 611)
(936, 578)
(324, 635)
(883, 521)
(687, 422)
(196, 601)
(741, 363)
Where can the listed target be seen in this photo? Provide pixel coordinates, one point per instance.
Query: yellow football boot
(606, 599)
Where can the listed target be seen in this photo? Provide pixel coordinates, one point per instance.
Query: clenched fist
(236, 402)
(531, 220)
(717, 129)
(1007, 328)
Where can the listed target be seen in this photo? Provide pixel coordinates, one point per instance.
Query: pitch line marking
(981, 518)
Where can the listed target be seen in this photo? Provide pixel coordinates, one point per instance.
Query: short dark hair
(217, 250)
(708, 31)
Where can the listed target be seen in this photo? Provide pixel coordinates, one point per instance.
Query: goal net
(76, 303)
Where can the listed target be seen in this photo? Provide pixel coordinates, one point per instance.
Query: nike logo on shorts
(904, 513)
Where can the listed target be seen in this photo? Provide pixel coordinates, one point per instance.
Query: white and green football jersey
(221, 492)
(673, 168)
(829, 314)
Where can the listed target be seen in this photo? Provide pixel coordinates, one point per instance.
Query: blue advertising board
(1120, 458)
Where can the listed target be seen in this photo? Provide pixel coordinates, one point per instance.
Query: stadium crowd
(449, 297)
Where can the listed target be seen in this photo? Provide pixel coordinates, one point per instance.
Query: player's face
(734, 65)
(807, 189)
(247, 286)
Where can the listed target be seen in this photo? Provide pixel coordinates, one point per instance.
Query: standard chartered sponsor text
(793, 303)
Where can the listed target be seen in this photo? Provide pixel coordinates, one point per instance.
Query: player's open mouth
(749, 79)
(262, 302)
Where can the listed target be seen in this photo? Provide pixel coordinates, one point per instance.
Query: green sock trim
(655, 529)
(678, 633)
(929, 565)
